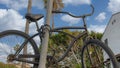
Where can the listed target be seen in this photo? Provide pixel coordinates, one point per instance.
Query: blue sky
(12, 13)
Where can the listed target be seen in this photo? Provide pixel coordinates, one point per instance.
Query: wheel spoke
(11, 46)
(97, 53)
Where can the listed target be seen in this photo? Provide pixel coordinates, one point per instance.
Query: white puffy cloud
(11, 19)
(19, 4)
(33, 28)
(97, 28)
(101, 17)
(114, 6)
(4, 48)
(37, 40)
(4, 51)
(77, 2)
(70, 19)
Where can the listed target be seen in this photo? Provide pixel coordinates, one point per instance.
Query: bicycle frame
(85, 33)
(59, 30)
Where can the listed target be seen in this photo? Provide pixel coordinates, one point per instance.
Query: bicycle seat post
(38, 29)
(84, 22)
(37, 25)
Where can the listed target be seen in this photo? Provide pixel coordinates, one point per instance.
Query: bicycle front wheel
(10, 42)
(95, 54)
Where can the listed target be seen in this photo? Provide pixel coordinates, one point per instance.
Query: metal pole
(43, 54)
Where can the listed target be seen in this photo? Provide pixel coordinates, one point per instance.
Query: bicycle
(91, 55)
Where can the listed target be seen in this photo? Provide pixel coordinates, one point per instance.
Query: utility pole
(43, 54)
(27, 30)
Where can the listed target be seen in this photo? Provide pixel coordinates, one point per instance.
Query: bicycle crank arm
(26, 61)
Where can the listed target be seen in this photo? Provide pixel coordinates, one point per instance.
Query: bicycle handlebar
(63, 12)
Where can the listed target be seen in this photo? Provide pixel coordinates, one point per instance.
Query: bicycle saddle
(33, 17)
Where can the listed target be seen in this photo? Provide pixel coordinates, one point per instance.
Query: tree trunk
(43, 54)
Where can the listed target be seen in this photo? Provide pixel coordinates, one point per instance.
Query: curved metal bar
(61, 28)
(82, 16)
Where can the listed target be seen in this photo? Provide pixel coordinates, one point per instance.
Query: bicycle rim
(97, 55)
(10, 42)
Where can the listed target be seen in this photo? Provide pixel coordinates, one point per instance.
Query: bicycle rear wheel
(10, 42)
(95, 54)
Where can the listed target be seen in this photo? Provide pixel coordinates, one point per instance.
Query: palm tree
(27, 30)
(57, 4)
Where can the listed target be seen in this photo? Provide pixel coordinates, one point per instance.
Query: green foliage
(59, 39)
(16, 47)
(96, 35)
(59, 42)
(77, 66)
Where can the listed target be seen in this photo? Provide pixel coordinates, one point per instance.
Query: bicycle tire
(86, 63)
(19, 36)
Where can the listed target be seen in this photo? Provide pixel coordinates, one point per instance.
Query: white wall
(112, 33)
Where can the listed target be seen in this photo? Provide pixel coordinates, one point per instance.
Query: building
(111, 35)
